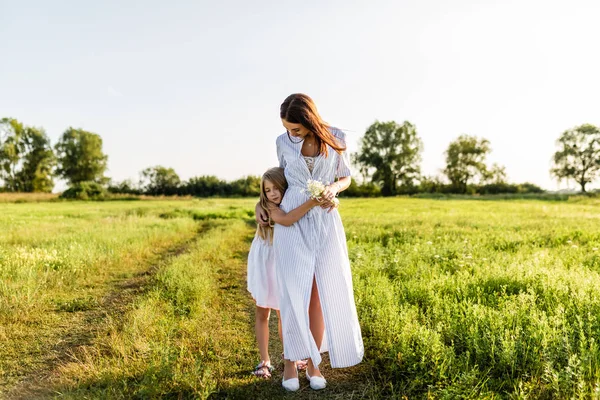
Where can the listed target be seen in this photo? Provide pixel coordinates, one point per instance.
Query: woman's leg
(262, 332)
(317, 324)
(279, 326)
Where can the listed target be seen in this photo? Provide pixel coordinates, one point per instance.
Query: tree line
(388, 162)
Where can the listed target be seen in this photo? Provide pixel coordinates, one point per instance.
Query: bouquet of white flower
(316, 188)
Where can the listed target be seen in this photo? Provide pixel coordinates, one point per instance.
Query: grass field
(147, 299)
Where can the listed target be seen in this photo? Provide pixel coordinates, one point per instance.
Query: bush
(85, 191)
(363, 190)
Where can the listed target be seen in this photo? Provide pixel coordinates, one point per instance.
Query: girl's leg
(262, 332)
(317, 324)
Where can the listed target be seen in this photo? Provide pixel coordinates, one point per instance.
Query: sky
(197, 85)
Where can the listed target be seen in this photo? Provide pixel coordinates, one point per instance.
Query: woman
(311, 256)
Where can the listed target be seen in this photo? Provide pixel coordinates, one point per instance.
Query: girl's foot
(300, 364)
(263, 370)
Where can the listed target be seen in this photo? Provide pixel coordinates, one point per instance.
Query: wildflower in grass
(436, 256)
(429, 243)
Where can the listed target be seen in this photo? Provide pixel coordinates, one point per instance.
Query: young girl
(262, 281)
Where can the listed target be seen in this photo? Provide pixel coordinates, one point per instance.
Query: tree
(465, 160)
(205, 186)
(246, 187)
(578, 156)
(495, 175)
(26, 157)
(11, 148)
(38, 162)
(159, 180)
(393, 153)
(80, 157)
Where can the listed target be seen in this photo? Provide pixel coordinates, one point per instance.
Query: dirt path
(80, 328)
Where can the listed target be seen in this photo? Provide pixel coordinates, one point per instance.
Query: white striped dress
(315, 246)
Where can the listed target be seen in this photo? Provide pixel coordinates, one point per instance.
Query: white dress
(262, 281)
(315, 246)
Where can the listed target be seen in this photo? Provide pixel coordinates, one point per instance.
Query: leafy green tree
(36, 174)
(465, 160)
(393, 153)
(206, 186)
(495, 175)
(11, 149)
(159, 180)
(26, 158)
(578, 155)
(246, 187)
(80, 157)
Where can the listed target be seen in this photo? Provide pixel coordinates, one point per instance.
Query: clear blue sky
(196, 85)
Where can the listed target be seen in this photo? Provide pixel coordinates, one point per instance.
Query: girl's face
(272, 192)
(295, 130)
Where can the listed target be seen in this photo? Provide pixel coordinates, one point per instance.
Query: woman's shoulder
(338, 133)
(281, 137)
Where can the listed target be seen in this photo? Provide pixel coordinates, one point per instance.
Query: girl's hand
(330, 192)
(261, 215)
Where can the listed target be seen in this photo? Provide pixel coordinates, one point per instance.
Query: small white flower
(595, 249)
(396, 260)
(574, 246)
(468, 256)
(436, 256)
(429, 243)
(354, 237)
(315, 189)
(484, 259)
(569, 241)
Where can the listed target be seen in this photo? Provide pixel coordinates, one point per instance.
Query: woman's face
(272, 192)
(295, 130)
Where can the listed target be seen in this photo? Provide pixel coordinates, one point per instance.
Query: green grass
(456, 299)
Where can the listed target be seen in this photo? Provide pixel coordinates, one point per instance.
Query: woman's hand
(330, 192)
(261, 215)
(329, 205)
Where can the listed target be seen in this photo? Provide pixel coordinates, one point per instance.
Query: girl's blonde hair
(277, 178)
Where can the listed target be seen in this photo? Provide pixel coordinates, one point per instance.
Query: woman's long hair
(300, 109)
(277, 178)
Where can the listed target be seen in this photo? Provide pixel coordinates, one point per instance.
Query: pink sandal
(263, 370)
(300, 364)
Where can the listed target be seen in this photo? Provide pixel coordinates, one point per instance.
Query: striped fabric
(315, 246)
